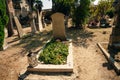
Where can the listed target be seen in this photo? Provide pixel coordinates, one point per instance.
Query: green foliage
(81, 12)
(54, 53)
(101, 9)
(3, 21)
(37, 5)
(110, 12)
(62, 6)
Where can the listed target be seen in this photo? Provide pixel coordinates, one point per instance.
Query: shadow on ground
(33, 42)
(79, 37)
(22, 77)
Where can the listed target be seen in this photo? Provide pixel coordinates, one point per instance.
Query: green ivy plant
(3, 21)
(55, 52)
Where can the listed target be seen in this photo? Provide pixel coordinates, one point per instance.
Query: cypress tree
(3, 21)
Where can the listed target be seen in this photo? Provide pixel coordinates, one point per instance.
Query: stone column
(32, 22)
(58, 26)
(40, 26)
(11, 13)
(19, 27)
(5, 45)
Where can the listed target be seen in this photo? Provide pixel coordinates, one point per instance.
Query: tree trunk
(11, 12)
(114, 41)
(10, 26)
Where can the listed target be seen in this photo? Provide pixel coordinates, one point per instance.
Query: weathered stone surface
(40, 26)
(32, 60)
(32, 23)
(115, 36)
(11, 13)
(10, 7)
(58, 26)
(5, 45)
(19, 27)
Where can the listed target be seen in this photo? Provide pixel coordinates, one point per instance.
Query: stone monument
(19, 27)
(58, 26)
(5, 45)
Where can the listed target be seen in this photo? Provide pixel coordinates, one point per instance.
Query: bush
(54, 53)
(110, 13)
(3, 21)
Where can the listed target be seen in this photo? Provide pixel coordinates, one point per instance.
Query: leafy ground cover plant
(55, 52)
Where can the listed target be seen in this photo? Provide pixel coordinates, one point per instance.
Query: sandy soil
(89, 62)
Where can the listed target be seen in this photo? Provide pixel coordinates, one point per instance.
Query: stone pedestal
(114, 40)
(40, 26)
(58, 26)
(5, 45)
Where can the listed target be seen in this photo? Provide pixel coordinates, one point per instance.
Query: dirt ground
(89, 62)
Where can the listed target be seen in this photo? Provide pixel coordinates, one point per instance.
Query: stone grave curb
(55, 68)
(109, 58)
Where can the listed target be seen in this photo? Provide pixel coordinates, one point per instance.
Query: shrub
(55, 52)
(3, 21)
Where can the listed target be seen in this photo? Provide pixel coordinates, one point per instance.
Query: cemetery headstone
(40, 26)
(32, 23)
(58, 26)
(19, 27)
(5, 45)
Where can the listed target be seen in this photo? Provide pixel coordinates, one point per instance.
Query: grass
(55, 52)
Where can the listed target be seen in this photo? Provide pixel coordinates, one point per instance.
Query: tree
(62, 6)
(104, 7)
(80, 12)
(3, 21)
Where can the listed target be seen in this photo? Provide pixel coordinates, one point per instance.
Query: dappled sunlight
(80, 37)
(33, 42)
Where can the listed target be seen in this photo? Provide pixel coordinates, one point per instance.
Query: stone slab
(68, 67)
(109, 58)
(19, 27)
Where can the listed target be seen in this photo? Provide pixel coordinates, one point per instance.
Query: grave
(37, 66)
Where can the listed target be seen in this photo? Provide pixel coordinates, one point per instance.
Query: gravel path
(89, 62)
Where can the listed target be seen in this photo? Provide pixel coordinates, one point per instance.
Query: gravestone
(58, 26)
(5, 45)
(19, 27)
(11, 12)
(40, 26)
(32, 23)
